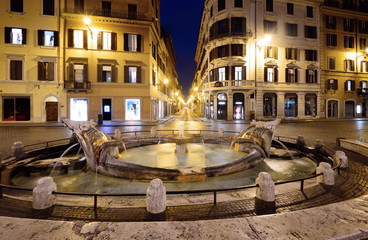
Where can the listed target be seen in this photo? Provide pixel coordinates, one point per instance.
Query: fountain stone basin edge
(102, 153)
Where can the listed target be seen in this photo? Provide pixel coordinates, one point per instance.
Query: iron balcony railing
(77, 86)
(111, 13)
(245, 33)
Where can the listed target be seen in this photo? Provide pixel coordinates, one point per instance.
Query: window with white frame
(48, 38)
(16, 69)
(132, 42)
(311, 76)
(78, 72)
(15, 35)
(270, 74)
(364, 66)
(78, 38)
(46, 71)
(221, 74)
(349, 65)
(238, 73)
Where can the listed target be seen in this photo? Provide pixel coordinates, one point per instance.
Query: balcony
(246, 33)
(111, 13)
(73, 86)
(229, 84)
(332, 3)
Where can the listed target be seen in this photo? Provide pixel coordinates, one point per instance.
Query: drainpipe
(255, 56)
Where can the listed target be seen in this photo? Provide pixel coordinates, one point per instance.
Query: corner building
(259, 59)
(118, 62)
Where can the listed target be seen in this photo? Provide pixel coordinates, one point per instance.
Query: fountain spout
(181, 131)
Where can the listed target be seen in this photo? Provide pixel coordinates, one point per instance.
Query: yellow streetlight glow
(196, 89)
(177, 94)
(87, 20)
(166, 81)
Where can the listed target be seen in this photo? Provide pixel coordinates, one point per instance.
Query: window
(16, 109)
(269, 5)
(363, 86)
(349, 85)
(310, 55)
(311, 76)
(15, 35)
(270, 105)
(331, 22)
(79, 6)
(132, 11)
(310, 31)
(364, 66)
(221, 5)
(46, 71)
(331, 40)
(290, 8)
(348, 42)
(237, 50)
(271, 74)
(106, 73)
(153, 50)
(16, 70)
(133, 109)
(363, 27)
(363, 43)
(332, 84)
(238, 3)
(16, 6)
(349, 65)
(238, 25)
(153, 77)
(348, 25)
(106, 41)
(309, 12)
(106, 8)
(211, 11)
(291, 29)
(48, 7)
(291, 75)
(270, 52)
(310, 104)
(77, 38)
(221, 74)
(291, 53)
(132, 74)
(270, 26)
(223, 26)
(48, 38)
(79, 71)
(223, 51)
(238, 72)
(331, 63)
(132, 42)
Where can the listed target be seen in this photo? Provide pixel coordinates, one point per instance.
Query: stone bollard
(17, 150)
(117, 134)
(221, 132)
(42, 193)
(265, 194)
(300, 143)
(156, 197)
(340, 156)
(153, 131)
(328, 176)
(318, 144)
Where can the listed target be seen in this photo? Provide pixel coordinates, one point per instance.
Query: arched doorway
(349, 109)
(222, 106)
(238, 110)
(51, 108)
(291, 105)
(332, 109)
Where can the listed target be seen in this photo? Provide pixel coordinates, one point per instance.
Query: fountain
(204, 160)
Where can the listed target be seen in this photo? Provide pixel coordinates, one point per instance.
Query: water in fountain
(181, 130)
(57, 160)
(68, 149)
(287, 150)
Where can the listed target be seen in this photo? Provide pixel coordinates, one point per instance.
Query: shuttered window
(46, 71)
(16, 70)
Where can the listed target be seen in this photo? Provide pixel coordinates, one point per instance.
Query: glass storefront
(132, 109)
(310, 104)
(291, 105)
(270, 105)
(238, 106)
(79, 109)
(222, 106)
(16, 109)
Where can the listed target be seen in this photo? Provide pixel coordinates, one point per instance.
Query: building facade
(31, 88)
(344, 33)
(83, 59)
(259, 59)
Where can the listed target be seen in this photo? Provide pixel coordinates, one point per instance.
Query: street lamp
(264, 41)
(87, 21)
(166, 81)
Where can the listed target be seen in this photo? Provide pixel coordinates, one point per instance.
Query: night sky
(182, 19)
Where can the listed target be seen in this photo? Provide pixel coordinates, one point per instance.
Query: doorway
(106, 109)
(51, 111)
(349, 109)
(333, 109)
(238, 110)
(222, 106)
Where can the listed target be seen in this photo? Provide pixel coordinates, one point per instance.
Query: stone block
(117, 134)
(221, 132)
(156, 197)
(328, 176)
(340, 156)
(266, 189)
(42, 193)
(153, 131)
(17, 150)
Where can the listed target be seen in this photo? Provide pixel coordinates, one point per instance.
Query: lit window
(106, 73)
(349, 65)
(364, 86)
(78, 38)
(133, 74)
(238, 73)
(46, 71)
(270, 73)
(132, 42)
(78, 72)
(106, 41)
(221, 74)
